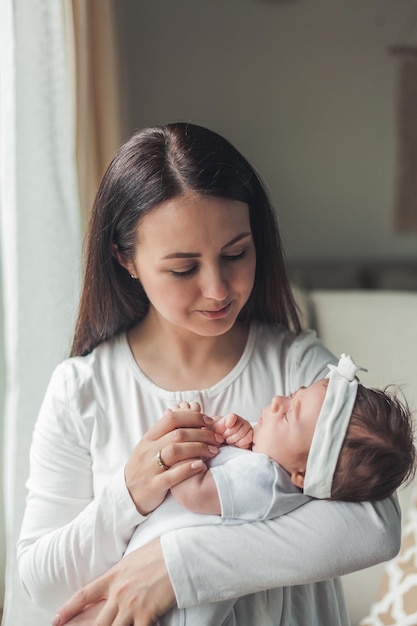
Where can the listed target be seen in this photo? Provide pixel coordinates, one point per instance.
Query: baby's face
(285, 429)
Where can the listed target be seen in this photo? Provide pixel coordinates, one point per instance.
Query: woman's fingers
(82, 608)
(137, 590)
(179, 436)
(149, 486)
(182, 471)
(178, 452)
(88, 617)
(178, 419)
(184, 442)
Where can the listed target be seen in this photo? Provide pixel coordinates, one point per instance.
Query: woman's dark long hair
(156, 165)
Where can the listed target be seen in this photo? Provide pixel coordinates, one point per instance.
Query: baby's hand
(187, 406)
(235, 430)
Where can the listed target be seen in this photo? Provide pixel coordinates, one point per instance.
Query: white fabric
(319, 541)
(40, 242)
(100, 406)
(331, 428)
(251, 487)
(95, 410)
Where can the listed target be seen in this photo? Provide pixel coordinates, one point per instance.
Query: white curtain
(40, 242)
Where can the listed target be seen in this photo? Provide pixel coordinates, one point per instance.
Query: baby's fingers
(245, 442)
(242, 437)
(187, 406)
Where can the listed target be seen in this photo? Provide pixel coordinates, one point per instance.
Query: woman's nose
(213, 285)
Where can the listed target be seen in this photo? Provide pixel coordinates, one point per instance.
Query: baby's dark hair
(378, 452)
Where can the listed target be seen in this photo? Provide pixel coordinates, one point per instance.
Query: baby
(335, 439)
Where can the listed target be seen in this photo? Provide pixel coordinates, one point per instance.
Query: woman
(185, 298)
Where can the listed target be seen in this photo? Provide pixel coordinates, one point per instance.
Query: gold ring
(160, 462)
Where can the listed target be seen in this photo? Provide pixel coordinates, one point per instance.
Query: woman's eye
(235, 257)
(230, 258)
(185, 273)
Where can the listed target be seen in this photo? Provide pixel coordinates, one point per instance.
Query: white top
(253, 487)
(79, 515)
(250, 487)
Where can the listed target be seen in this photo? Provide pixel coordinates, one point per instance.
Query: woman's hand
(134, 592)
(85, 618)
(233, 429)
(182, 438)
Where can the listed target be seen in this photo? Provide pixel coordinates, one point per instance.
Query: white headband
(331, 428)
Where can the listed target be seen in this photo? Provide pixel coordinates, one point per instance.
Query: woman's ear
(297, 478)
(121, 259)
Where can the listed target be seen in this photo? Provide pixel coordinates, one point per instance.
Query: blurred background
(306, 90)
(311, 91)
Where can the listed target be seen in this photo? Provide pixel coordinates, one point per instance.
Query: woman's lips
(216, 313)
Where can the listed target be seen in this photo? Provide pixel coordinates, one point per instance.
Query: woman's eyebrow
(193, 255)
(236, 239)
(182, 255)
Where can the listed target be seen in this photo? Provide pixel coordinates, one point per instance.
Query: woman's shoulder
(92, 370)
(277, 335)
(301, 355)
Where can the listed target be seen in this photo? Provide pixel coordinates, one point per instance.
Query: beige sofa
(378, 328)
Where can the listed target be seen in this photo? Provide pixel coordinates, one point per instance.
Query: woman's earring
(133, 276)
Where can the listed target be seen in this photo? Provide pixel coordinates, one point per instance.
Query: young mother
(185, 298)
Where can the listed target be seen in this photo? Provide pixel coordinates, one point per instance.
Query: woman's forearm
(59, 556)
(318, 541)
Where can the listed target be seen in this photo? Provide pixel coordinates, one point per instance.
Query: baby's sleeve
(252, 487)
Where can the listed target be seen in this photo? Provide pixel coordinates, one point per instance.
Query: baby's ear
(297, 478)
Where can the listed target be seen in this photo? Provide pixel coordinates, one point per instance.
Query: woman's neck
(177, 360)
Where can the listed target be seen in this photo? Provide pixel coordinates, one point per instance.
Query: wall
(305, 89)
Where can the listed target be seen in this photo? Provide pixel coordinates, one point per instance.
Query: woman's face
(195, 259)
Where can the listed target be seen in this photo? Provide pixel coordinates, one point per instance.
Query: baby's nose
(279, 402)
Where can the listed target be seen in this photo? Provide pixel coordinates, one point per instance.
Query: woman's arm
(74, 529)
(136, 590)
(318, 541)
(200, 493)
(337, 537)
(68, 536)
